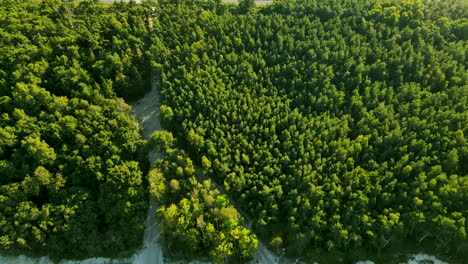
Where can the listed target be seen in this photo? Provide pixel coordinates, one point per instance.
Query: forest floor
(147, 113)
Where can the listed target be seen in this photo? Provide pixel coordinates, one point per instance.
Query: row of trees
(71, 184)
(334, 124)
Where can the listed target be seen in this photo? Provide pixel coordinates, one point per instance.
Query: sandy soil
(147, 112)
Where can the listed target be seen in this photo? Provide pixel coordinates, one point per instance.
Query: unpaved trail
(264, 256)
(146, 111)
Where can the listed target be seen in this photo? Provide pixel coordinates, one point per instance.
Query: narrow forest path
(146, 111)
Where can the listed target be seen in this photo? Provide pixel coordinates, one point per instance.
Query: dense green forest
(334, 126)
(71, 184)
(196, 219)
(71, 155)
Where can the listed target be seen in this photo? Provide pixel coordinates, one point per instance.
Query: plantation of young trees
(332, 125)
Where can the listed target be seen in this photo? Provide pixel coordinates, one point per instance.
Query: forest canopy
(335, 125)
(332, 125)
(71, 183)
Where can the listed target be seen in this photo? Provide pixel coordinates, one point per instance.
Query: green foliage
(162, 140)
(166, 113)
(70, 183)
(333, 124)
(157, 184)
(194, 217)
(246, 6)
